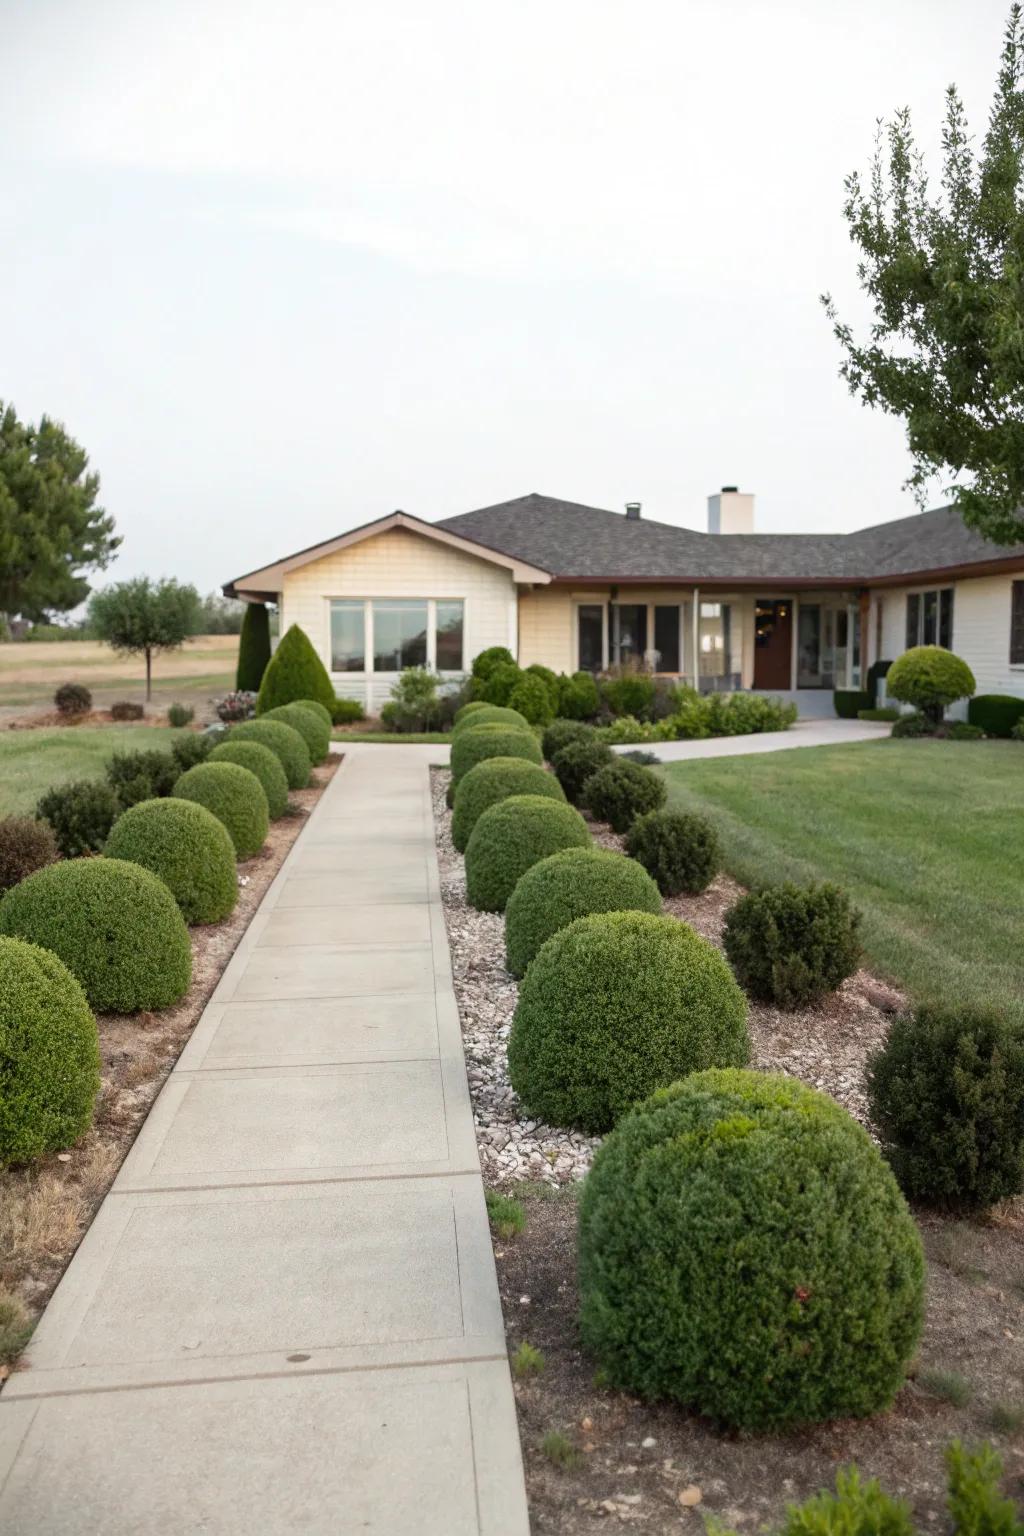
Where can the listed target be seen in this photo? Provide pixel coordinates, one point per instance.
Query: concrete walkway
(805, 733)
(285, 1316)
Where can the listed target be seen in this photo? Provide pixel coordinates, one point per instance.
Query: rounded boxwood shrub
(116, 927)
(929, 678)
(81, 814)
(578, 698)
(621, 791)
(568, 885)
(236, 798)
(262, 762)
(25, 846)
(314, 731)
(575, 763)
(325, 714)
(466, 711)
(995, 713)
(559, 734)
(946, 1092)
(49, 1054)
(294, 671)
(490, 714)
(497, 686)
(745, 1251)
(473, 744)
(186, 847)
(492, 780)
(790, 944)
(678, 848)
(532, 698)
(511, 836)
(494, 656)
(72, 700)
(284, 741)
(614, 1006)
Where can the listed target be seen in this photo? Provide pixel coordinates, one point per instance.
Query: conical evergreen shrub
(253, 647)
(295, 671)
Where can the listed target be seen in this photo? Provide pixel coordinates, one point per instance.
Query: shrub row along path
(285, 1316)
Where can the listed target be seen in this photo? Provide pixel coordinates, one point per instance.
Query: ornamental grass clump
(614, 1006)
(314, 730)
(946, 1093)
(284, 741)
(577, 762)
(472, 744)
(262, 762)
(25, 846)
(791, 945)
(186, 847)
(81, 814)
(115, 926)
(679, 849)
(236, 798)
(496, 778)
(568, 885)
(49, 1054)
(510, 837)
(622, 791)
(745, 1251)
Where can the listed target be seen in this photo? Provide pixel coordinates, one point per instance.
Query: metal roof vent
(633, 511)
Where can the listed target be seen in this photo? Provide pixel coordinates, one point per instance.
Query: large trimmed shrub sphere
(679, 849)
(186, 847)
(284, 741)
(622, 791)
(321, 710)
(492, 780)
(49, 1054)
(744, 1250)
(25, 846)
(466, 711)
(510, 837)
(790, 944)
(489, 714)
(568, 885)
(947, 1099)
(929, 678)
(236, 798)
(294, 671)
(559, 734)
(315, 732)
(472, 744)
(614, 1006)
(116, 927)
(262, 762)
(575, 763)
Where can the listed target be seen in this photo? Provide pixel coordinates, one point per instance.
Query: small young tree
(943, 271)
(253, 647)
(142, 617)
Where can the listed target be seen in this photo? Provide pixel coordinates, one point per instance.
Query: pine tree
(253, 647)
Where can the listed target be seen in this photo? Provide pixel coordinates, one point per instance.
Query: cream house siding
(547, 627)
(399, 563)
(981, 628)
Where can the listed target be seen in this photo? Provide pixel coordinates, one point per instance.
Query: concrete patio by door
(285, 1316)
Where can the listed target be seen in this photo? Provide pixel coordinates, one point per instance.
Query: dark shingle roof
(571, 540)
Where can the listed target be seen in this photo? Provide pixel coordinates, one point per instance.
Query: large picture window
(388, 634)
(399, 635)
(930, 618)
(1017, 625)
(348, 637)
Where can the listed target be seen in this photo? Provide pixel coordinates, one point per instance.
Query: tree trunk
(149, 674)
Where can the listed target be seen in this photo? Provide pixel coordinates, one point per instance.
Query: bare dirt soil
(30, 671)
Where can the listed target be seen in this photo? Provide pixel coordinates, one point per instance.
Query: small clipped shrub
(488, 714)
(253, 647)
(960, 730)
(995, 713)
(791, 945)
(347, 712)
(631, 693)
(679, 849)
(315, 732)
(284, 741)
(946, 1092)
(559, 734)
(72, 700)
(25, 846)
(116, 927)
(262, 762)
(145, 775)
(124, 709)
(81, 814)
(493, 656)
(574, 883)
(414, 704)
(616, 1005)
(496, 687)
(236, 798)
(49, 1054)
(620, 792)
(975, 1504)
(929, 678)
(578, 698)
(782, 1277)
(850, 701)
(882, 714)
(193, 747)
(492, 780)
(186, 847)
(913, 725)
(472, 744)
(295, 671)
(510, 837)
(532, 698)
(179, 715)
(578, 762)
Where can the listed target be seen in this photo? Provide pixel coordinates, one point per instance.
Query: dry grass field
(29, 673)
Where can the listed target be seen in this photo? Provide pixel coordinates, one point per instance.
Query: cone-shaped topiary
(614, 1006)
(116, 927)
(313, 730)
(578, 761)
(186, 847)
(492, 780)
(929, 677)
(236, 798)
(284, 741)
(510, 837)
(253, 647)
(49, 1054)
(791, 944)
(490, 714)
(295, 671)
(678, 848)
(621, 791)
(568, 885)
(262, 762)
(472, 744)
(745, 1251)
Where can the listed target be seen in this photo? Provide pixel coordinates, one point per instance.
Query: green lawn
(30, 761)
(399, 738)
(927, 836)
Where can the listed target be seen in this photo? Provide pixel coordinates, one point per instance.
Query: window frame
(369, 640)
(1017, 623)
(944, 601)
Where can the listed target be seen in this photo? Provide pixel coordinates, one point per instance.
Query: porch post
(696, 638)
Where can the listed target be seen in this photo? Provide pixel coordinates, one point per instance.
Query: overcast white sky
(283, 268)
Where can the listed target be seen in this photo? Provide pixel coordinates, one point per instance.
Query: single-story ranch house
(575, 587)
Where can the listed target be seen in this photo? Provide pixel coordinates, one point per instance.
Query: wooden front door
(773, 643)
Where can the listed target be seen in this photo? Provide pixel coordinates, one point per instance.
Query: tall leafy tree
(944, 270)
(143, 617)
(51, 530)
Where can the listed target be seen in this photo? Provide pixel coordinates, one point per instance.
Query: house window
(386, 634)
(666, 637)
(715, 640)
(348, 637)
(930, 618)
(590, 637)
(399, 635)
(1017, 625)
(629, 632)
(448, 638)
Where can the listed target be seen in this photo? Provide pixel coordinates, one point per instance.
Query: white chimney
(731, 511)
